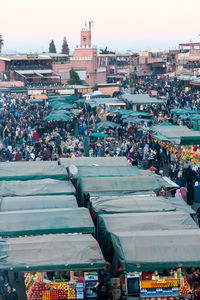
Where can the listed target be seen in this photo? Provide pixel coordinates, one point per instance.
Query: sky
(121, 25)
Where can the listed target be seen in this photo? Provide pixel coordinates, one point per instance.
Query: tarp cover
(44, 221)
(31, 171)
(99, 186)
(89, 161)
(107, 171)
(141, 99)
(157, 250)
(138, 204)
(117, 185)
(36, 187)
(51, 252)
(37, 202)
(174, 133)
(143, 221)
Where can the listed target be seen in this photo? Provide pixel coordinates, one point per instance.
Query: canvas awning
(176, 134)
(99, 186)
(44, 221)
(51, 252)
(105, 171)
(36, 187)
(138, 204)
(141, 99)
(31, 171)
(37, 202)
(150, 221)
(89, 161)
(157, 250)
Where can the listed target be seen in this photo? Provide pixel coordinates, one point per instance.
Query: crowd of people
(24, 135)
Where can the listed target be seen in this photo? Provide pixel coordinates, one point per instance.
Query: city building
(84, 60)
(29, 68)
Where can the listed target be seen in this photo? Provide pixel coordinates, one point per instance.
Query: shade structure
(61, 105)
(107, 125)
(157, 250)
(150, 221)
(44, 221)
(175, 134)
(141, 99)
(31, 171)
(99, 186)
(62, 111)
(182, 111)
(36, 187)
(57, 117)
(90, 161)
(138, 204)
(105, 171)
(99, 135)
(38, 100)
(37, 202)
(51, 252)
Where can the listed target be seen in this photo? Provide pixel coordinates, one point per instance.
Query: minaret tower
(86, 36)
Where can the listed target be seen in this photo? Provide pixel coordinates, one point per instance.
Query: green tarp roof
(37, 202)
(157, 250)
(138, 204)
(89, 161)
(182, 111)
(31, 171)
(51, 252)
(57, 117)
(106, 171)
(174, 133)
(36, 187)
(44, 221)
(99, 186)
(141, 99)
(144, 221)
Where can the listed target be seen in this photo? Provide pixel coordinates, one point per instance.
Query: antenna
(90, 24)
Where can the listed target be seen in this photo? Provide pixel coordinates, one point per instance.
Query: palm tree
(1, 42)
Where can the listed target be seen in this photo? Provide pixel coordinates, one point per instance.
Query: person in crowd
(11, 293)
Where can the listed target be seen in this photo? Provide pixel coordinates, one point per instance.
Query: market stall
(137, 204)
(54, 253)
(96, 186)
(44, 221)
(36, 187)
(90, 161)
(148, 221)
(154, 260)
(32, 171)
(103, 171)
(37, 202)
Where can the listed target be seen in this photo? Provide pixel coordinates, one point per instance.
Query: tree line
(64, 49)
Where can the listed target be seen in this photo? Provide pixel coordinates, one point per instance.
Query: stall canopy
(175, 134)
(36, 187)
(89, 161)
(157, 250)
(141, 99)
(51, 252)
(44, 221)
(138, 204)
(140, 222)
(99, 186)
(27, 171)
(105, 171)
(37, 202)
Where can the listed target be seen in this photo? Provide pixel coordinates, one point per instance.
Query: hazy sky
(119, 24)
